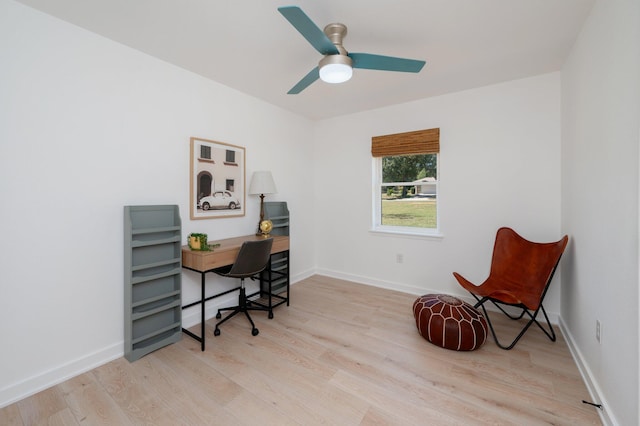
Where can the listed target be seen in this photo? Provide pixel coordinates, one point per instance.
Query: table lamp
(261, 184)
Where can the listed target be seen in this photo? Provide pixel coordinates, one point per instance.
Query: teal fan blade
(385, 63)
(308, 29)
(306, 81)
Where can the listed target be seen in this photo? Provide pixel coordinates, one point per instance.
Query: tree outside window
(408, 191)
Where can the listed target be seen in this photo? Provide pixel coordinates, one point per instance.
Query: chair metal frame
(508, 295)
(252, 259)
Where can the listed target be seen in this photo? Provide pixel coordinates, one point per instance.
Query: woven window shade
(418, 142)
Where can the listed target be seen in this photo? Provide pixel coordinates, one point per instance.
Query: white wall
(600, 130)
(499, 166)
(86, 127)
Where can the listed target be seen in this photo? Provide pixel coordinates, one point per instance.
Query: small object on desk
(198, 242)
(265, 227)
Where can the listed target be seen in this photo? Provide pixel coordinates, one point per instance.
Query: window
(205, 152)
(406, 182)
(230, 156)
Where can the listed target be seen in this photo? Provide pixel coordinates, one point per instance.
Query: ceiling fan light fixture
(336, 68)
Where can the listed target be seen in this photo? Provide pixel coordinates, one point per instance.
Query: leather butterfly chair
(521, 272)
(252, 259)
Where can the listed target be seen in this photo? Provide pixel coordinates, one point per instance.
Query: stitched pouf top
(450, 323)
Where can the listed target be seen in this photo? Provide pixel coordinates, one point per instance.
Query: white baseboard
(595, 393)
(39, 382)
(374, 282)
(418, 291)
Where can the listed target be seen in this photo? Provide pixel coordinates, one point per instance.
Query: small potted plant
(198, 241)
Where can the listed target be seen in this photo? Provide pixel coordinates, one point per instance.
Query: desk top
(227, 252)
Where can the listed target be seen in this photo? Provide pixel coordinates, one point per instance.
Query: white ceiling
(249, 46)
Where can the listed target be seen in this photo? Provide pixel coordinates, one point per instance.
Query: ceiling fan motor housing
(336, 33)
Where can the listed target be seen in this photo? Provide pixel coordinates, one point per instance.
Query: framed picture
(217, 176)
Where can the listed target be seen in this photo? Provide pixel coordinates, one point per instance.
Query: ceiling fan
(337, 64)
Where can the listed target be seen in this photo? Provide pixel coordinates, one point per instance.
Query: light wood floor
(342, 354)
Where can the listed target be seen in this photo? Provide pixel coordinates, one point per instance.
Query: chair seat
(223, 270)
(495, 291)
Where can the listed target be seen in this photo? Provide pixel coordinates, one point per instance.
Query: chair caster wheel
(218, 315)
(254, 332)
(216, 332)
(270, 315)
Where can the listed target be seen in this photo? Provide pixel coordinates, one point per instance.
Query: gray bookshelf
(152, 279)
(278, 213)
(274, 289)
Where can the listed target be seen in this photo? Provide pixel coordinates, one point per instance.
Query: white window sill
(395, 231)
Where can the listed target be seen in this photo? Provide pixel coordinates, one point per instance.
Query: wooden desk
(205, 261)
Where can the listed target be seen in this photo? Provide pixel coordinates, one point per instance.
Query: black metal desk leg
(202, 300)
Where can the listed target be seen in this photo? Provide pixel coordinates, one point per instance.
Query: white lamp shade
(262, 183)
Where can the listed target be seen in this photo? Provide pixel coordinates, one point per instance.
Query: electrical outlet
(598, 331)
(399, 258)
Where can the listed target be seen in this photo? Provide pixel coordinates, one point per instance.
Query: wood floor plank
(10, 415)
(91, 404)
(138, 402)
(43, 405)
(342, 353)
(189, 404)
(62, 418)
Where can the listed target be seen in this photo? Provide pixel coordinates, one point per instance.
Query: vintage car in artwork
(219, 200)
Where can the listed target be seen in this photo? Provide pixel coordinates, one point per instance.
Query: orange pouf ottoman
(450, 323)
